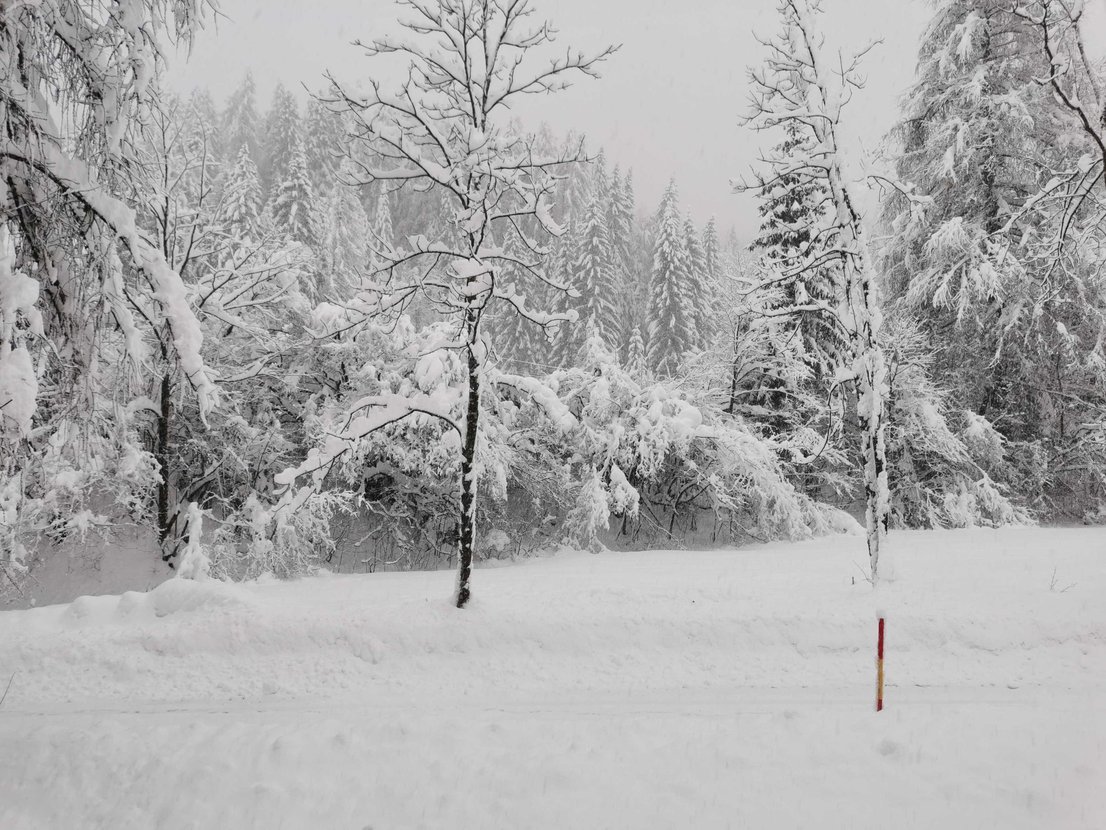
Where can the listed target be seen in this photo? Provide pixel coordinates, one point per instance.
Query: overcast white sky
(669, 100)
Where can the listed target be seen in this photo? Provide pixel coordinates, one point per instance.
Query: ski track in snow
(636, 690)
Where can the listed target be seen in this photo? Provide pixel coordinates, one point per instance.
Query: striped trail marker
(879, 669)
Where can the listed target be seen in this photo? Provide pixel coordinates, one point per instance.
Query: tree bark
(161, 453)
(466, 541)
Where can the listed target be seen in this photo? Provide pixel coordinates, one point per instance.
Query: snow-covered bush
(399, 481)
(194, 561)
(946, 465)
(291, 538)
(648, 455)
(574, 456)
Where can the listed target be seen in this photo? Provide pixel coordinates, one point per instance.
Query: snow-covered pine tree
(700, 285)
(324, 136)
(345, 242)
(793, 210)
(566, 337)
(968, 144)
(241, 124)
(522, 346)
(1070, 255)
(790, 298)
(638, 259)
(598, 179)
(517, 344)
(636, 363)
(293, 202)
(202, 130)
(983, 266)
(712, 254)
(620, 222)
(283, 132)
(545, 342)
(620, 216)
(671, 314)
(576, 188)
(595, 278)
(241, 206)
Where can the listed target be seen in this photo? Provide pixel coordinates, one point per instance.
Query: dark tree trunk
(732, 408)
(161, 453)
(466, 542)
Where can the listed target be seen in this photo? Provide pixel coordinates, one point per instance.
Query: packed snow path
(665, 689)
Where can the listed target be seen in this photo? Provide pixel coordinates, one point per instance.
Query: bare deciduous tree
(799, 88)
(469, 61)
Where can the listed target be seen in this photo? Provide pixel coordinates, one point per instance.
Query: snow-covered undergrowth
(661, 689)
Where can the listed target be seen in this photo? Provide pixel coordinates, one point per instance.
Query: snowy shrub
(13, 552)
(646, 454)
(194, 561)
(941, 473)
(591, 513)
(288, 539)
(400, 480)
(560, 458)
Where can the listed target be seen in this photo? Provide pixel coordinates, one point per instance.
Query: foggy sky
(669, 101)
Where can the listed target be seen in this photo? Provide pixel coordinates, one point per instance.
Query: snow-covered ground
(623, 690)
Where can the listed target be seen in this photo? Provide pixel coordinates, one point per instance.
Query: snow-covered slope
(662, 689)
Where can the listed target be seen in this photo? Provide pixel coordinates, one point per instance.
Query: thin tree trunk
(875, 484)
(466, 542)
(734, 375)
(161, 453)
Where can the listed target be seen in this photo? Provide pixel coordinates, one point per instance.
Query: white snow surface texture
(620, 690)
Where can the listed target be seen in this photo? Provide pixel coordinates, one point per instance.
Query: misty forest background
(253, 329)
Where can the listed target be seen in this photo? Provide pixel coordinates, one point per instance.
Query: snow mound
(177, 596)
(174, 596)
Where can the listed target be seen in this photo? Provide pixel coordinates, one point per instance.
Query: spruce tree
(968, 143)
(521, 344)
(241, 207)
(293, 203)
(283, 130)
(324, 136)
(671, 313)
(636, 362)
(345, 232)
(241, 124)
(699, 285)
(596, 276)
(599, 178)
(620, 222)
(793, 220)
(567, 337)
(980, 133)
(202, 130)
(712, 255)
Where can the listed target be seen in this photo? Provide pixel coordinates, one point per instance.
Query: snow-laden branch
(74, 177)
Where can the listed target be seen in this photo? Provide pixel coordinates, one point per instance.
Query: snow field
(661, 689)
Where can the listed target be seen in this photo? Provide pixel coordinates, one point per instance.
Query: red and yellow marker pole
(879, 669)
